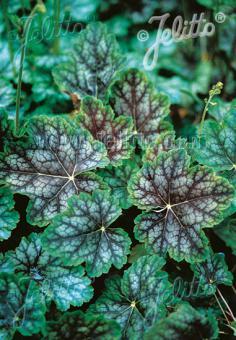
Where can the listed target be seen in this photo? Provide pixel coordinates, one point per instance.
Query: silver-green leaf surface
(180, 201)
(138, 299)
(21, 307)
(83, 233)
(94, 62)
(51, 166)
(65, 285)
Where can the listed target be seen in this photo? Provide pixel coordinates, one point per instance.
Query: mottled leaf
(138, 299)
(185, 323)
(114, 132)
(21, 307)
(212, 272)
(133, 95)
(77, 325)
(117, 179)
(65, 285)
(95, 59)
(8, 217)
(83, 233)
(52, 166)
(180, 201)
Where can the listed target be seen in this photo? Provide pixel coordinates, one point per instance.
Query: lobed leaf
(54, 164)
(180, 201)
(221, 109)
(21, 307)
(212, 272)
(83, 233)
(94, 62)
(65, 285)
(165, 142)
(114, 132)
(133, 95)
(138, 299)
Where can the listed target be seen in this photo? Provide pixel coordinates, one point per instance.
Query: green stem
(9, 40)
(204, 115)
(56, 43)
(22, 58)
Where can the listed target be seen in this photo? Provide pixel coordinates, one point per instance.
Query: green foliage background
(185, 73)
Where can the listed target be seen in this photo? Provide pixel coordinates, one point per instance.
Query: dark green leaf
(77, 325)
(117, 178)
(185, 323)
(8, 217)
(21, 307)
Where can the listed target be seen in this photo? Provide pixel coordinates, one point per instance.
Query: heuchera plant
(81, 171)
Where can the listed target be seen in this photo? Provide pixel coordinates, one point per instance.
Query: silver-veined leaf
(180, 200)
(115, 133)
(138, 299)
(94, 61)
(51, 166)
(83, 233)
(21, 307)
(165, 142)
(65, 285)
(212, 272)
(133, 95)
